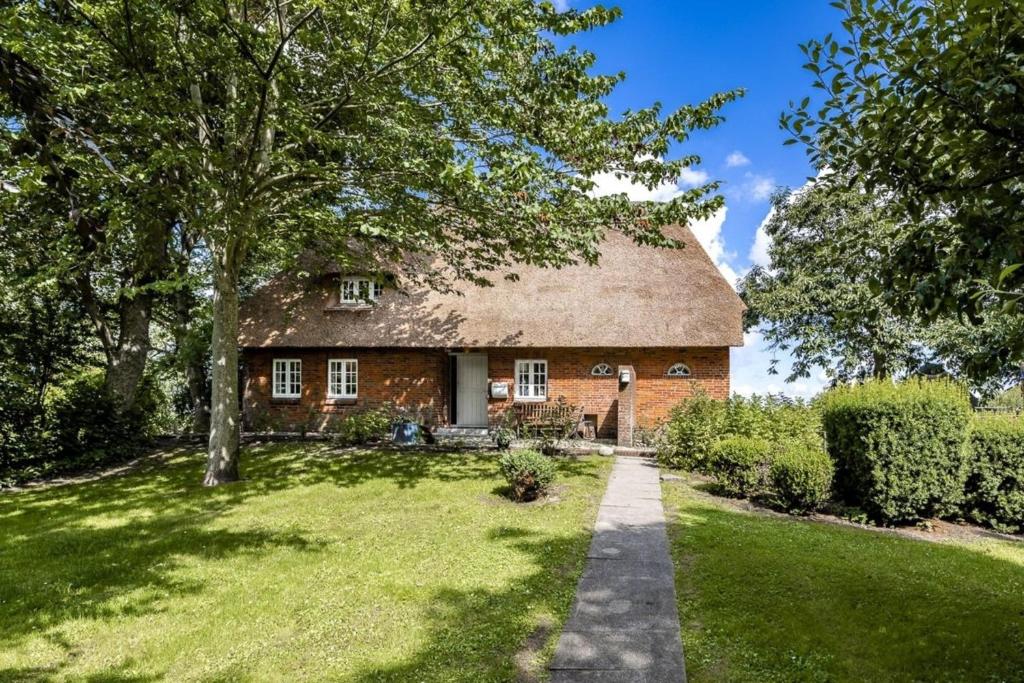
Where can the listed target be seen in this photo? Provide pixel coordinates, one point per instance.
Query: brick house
(626, 340)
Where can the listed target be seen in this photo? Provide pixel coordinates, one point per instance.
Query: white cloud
(750, 363)
(708, 231)
(736, 159)
(608, 183)
(759, 249)
(560, 5)
(753, 188)
(758, 254)
(690, 177)
(761, 187)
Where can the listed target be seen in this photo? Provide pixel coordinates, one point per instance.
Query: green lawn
(764, 598)
(358, 567)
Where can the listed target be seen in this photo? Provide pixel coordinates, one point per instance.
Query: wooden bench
(548, 418)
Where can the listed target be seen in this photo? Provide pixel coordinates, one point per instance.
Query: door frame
(454, 392)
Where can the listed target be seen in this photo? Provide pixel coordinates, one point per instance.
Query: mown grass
(321, 565)
(764, 598)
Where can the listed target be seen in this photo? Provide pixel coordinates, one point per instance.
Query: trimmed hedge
(740, 463)
(801, 478)
(899, 449)
(528, 473)
(995, 488)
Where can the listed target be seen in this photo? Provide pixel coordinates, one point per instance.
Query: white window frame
(601, 366)
(357, 290)
(534, 390)
(678, 370)
(343, 366)
(290, 386)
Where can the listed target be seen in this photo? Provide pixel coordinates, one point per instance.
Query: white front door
(471, 390)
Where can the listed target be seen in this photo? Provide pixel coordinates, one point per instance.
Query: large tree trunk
(126, 363)
(222, 458)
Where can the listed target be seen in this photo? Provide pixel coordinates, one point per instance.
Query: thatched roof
(635, 297)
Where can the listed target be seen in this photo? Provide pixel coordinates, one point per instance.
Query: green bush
(801, 478)
(528, 473)
(740, 463)
(995, 488)
(22, 445)
(85, 428)
(366, 426)
(773, 418)
(899, 449)
(697, 424)
(692, 429)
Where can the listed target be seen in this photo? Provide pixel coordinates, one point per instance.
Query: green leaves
(923, 102)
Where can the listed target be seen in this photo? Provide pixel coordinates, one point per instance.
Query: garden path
(624, 626)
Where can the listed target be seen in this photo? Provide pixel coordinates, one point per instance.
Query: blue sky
(681, 51)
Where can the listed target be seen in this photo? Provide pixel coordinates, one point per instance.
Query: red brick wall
(569, 376)
(419, 379)
(410, 378)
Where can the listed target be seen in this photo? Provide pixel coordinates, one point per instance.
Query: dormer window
(360, 290)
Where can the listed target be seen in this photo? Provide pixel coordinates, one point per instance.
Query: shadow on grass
(497, 635)
(75, 551)
(763, 598)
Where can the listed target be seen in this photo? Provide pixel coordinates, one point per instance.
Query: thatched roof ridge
(636, 296)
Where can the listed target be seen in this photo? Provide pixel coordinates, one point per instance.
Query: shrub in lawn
(740, 463)
(366, 426)
(528, 473)
(801, 477)
(899, 449)
(995, 487)
(692, 428)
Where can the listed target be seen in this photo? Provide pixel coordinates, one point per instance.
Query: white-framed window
(287, 378)
(678, 370)
(342, 378)
(531, 380)
(602, 370)
(360, 290)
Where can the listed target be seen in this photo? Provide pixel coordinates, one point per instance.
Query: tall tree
(815, 298)
(113, 246)
(819, 298)
(924, 99)
(382, 128)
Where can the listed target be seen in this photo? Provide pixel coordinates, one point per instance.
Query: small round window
(678, 370)
(601, 370)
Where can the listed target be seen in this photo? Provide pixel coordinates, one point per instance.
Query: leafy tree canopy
(924, 100)
(817, 298)
(371, 131)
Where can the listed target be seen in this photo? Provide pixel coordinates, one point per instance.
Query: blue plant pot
(405, 432)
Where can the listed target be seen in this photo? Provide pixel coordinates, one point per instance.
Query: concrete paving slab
(624, 625)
